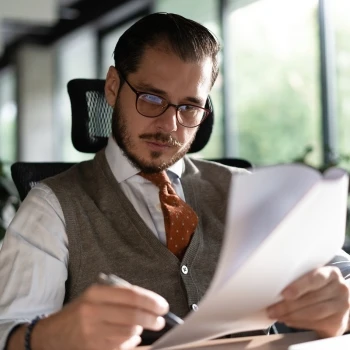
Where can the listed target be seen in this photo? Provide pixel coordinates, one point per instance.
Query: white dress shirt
(34, 256)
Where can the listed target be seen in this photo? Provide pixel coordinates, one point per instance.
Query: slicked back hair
(189, 40)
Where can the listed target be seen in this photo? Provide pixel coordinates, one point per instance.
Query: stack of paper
(282, 222)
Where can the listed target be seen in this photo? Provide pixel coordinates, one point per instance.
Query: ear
(112, 86)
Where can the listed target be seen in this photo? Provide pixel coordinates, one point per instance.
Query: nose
(167, 122)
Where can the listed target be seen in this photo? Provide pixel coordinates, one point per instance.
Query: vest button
(194, 307)
(184, 269)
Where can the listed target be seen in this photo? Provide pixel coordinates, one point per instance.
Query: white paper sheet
(282, 221)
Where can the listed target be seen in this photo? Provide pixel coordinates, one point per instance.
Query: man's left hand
(318, 301)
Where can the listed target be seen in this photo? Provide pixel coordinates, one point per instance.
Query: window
(273, 47)
(340, 12)
(8, 118)
(76, 59)
(206, 13)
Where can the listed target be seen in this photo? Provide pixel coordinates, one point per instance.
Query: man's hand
(319, 301)
(104, 317)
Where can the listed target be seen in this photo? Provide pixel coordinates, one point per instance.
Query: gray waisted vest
(106, 234)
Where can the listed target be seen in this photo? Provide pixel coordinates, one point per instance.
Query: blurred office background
(282, 94)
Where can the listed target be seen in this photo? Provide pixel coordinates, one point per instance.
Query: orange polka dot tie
(180, 220)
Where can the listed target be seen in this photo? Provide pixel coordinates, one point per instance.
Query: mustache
(164, 138)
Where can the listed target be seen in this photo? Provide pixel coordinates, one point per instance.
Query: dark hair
(186, 38)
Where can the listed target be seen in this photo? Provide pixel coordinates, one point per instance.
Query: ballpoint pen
(113, 280)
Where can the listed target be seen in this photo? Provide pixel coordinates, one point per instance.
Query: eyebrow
(145, 87)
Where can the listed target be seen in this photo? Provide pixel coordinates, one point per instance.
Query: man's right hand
(103, 317)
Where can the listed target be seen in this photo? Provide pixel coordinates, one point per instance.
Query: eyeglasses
(152, 106)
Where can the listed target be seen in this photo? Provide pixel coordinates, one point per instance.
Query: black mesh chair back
(27, 175)
(91, 115)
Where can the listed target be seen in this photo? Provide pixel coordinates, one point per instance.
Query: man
(105, 215)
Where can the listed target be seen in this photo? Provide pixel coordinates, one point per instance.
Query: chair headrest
(91, 117)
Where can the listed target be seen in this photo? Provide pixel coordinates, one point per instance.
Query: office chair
(91, 127)
(26, 175)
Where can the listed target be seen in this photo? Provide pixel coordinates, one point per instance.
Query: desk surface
(264, 342)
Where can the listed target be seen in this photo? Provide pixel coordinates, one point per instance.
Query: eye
(188, 108)
(152, 99)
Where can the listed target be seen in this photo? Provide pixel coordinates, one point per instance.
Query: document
(282, 221)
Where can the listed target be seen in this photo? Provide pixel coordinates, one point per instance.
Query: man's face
(154, 144)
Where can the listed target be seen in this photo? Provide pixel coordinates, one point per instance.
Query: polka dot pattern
(180, 220)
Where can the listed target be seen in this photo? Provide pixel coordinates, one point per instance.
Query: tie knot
(159, 179)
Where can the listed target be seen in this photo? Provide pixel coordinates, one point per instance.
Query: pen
(113, 280)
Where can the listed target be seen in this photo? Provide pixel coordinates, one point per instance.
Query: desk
(263, 342)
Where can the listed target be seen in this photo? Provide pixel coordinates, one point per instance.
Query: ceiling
(72, 15)
(12, 30)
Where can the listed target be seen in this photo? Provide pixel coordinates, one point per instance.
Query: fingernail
(160, 322)
(138, 330)
(130, 343)
(164, 305)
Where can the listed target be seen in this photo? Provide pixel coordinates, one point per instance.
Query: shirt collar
(123, 169)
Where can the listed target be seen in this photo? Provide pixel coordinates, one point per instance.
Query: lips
(158, 145)
(160, 140)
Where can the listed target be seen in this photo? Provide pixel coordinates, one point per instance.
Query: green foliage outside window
(274, 52)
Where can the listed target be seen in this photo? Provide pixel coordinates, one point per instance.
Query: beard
(124, 140)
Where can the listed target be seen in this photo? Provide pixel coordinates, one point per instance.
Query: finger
(138, 297)
(311, 281)
(118, 343)
(130, 316)
(120, 331)
(131, 343)
(327, 327)
(106, 336)
(338, 291)
(111, 331)
(315, 312)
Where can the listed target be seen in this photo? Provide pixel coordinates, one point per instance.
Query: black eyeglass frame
(139, 93)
